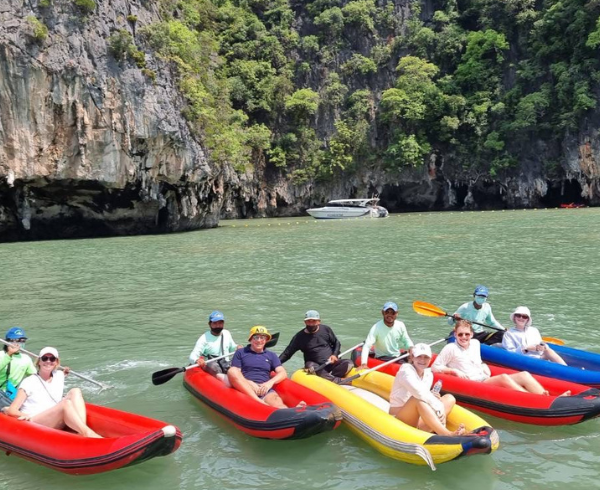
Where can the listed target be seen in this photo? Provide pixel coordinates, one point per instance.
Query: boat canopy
(360, 203)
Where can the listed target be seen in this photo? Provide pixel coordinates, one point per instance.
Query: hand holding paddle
(67, 370)
(161, 377)
(427, 309)
(322, 366)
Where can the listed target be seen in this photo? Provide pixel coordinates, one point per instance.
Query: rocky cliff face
(89, 147)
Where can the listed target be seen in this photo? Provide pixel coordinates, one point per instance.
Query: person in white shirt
(40, 398)
(412, 401)
(525, 339)
(463, 359)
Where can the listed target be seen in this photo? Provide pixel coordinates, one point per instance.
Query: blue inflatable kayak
(582, 367)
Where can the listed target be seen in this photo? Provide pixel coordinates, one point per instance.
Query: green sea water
(118, 309)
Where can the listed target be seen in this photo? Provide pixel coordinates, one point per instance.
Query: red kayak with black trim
(583, 403)
(128, 439)
(260, 420)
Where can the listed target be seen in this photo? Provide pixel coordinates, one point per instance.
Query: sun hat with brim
(421, 350)
(49, 350)
(259, 330)
(521, 310)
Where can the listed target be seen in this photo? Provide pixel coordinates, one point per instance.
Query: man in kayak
(388, 335)
(320, 346)
(251, 367)
(525, 339)
(14, 366)
(480, 311)
(214, 343)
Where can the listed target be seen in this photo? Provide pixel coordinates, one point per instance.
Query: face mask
(216, 331)
(480, 299)
(312, 329)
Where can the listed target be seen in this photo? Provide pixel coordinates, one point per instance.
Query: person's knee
(448, 398)
(74, 393)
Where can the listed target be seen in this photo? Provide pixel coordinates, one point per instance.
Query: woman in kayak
(412, 401)
(463, 359)
(40, 398)
(525, 339)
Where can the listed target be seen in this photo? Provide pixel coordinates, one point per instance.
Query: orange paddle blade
(553, 340)
(428, 309)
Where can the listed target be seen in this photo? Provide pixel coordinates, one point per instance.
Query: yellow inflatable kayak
(365, 407)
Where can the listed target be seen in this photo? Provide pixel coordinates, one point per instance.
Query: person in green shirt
(14, 366)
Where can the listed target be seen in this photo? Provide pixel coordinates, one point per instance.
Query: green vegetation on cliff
(323, 86)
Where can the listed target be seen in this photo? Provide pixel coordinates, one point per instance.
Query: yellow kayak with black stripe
(365, 406)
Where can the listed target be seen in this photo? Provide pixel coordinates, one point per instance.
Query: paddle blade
(427, 309)
(273, 341)
(161, 377)
(553, 340)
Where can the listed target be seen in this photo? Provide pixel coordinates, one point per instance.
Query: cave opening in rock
(563, 192)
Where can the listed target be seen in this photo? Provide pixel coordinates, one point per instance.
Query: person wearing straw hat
(388, 335)
(480, 311)
(320, 346)
(40, 398)
(251, 368)
(214, 343)
(526, 339)
(14, 366)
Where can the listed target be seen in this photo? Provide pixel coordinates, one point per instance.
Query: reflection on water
(119, 309)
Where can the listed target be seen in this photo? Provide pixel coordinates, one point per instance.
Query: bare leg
(522, 381)
(274, 400)
(419, 414)
(61, 414)
(240, 383)
(550, 355)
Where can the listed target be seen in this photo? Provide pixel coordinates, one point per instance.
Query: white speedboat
(349, 208)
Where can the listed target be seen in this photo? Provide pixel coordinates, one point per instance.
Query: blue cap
(15, 333)
(216, 316)
(312, 315)
(390, 304)
(481, 291)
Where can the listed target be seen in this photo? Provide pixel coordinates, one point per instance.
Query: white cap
(49, 350)
(421, 350)
(312, 315)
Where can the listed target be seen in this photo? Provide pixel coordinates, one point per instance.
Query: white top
(42, 395)
(468, 361)
(407, 383)
(210, 345)
(516, 340)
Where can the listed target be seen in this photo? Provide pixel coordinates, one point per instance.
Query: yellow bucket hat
(259, 329)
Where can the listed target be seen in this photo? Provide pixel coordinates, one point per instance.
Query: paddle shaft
(318, 368)
(35, 356)
(387, 363)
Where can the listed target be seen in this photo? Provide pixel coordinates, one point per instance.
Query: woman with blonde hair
(40, 398)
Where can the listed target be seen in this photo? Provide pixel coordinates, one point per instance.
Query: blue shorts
(267, 393)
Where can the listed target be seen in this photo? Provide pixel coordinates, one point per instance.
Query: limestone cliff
(93, 147)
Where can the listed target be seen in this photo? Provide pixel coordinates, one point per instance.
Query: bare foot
(460, 430)
(545, 392)
(566, 393)
(302, 404)
(93, 434)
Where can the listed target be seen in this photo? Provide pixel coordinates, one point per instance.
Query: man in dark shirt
(319, 345)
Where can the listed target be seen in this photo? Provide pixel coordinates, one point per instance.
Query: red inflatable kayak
(128, 439)
(264, 421)
(527, 408)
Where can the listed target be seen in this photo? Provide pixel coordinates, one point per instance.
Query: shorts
(267, 393)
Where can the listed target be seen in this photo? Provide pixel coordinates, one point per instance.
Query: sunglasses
(464, 334)
(518, 315)
(259, 337)
(48, 358)
(21, 340)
